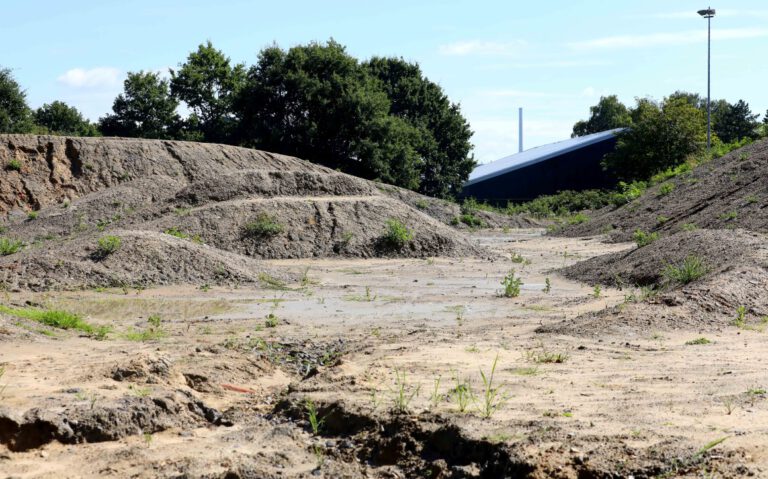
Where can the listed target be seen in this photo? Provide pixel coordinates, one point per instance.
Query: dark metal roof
(536, 155)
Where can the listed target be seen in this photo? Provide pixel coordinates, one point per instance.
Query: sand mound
(726, 193)
(213, 198)
(731, 291)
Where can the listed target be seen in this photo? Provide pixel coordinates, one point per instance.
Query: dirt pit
(372, 368)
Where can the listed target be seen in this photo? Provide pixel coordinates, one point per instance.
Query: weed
(741, 317)
(729, 406)
(397, 234)
(263, 226)
(205, 287)
(154, 331)
(518, 258)
(511, 285)
(731, 215)
(315, 422)
(107, 245)
(666, 188)
(32, 215)
(422, 204)
(9, 246)
(319, 455)
(531, 371)
(596, 291)
(271, 282)
(468, 219)
(547, 285)
(50, 317)
(577, 219)
(691, 269)
(436, 397)
(689, 227)
(644, 239)
(698, 341)
(661, 219)
(13, 165)
(543, 356)
(305, 279)
(368, 297)
(182, 211)
(147, 438)
(272, 321)
(461, 393)
(472, 349)
(403, 394)
(492, 398)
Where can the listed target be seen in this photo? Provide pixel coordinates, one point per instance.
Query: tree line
(380, 119)
(664, 134)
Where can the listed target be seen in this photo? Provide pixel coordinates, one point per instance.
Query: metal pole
(520, 130)
(709, 70)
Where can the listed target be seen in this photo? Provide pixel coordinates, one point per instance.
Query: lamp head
(707, 13)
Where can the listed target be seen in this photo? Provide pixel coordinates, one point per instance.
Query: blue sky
(553, 58)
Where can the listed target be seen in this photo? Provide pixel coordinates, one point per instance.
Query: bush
(691, 269)
(468, 219)
(107, 245)
(264, 226)
(563, 203)
(627, 192)
(511, 285)
(644, 239)
(9, 246)
(13, 165)
(397, 234)
(666, 189)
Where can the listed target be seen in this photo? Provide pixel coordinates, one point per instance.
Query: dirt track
(223, 393)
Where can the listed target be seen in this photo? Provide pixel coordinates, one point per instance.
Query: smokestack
(520, 131)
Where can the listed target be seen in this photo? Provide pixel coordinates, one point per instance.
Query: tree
(734, 122)
(207, 83)
(15, 115)
(765, 117)
(145, 109)
(316, 102)
(59, 118)
(662, 136)
(443, 133)
(609, 113)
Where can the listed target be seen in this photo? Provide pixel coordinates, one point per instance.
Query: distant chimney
(520, 131)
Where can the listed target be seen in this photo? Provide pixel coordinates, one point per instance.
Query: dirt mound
(704, 279)
(725, 193)
(143, 258)
(220, 202)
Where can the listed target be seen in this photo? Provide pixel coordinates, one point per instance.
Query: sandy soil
(362, 339)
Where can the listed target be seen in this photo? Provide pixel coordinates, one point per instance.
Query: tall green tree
(662, 136)
(15, 115)
(317, 102)
(734, 122)
(443, 140)
(208, 83)
(61, 119)
(609, 113)
(145, 109)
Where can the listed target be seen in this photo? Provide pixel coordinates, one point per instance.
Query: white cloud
(667, 39)
(99, 77)
(478, 47)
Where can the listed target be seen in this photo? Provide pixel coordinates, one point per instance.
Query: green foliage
(493, 397)
(691, 269)
(264, 226)
(397, 234)
(734, 122)
(315, 422)
(50, 317)
(644, 239)
(609, 113)
(13, 165)
(271, 320)
(511, 284)
(468, 219)
(145, 109)
(403, 393)
(627, 192)
(663, 135)
(207, 83)
(61, 119)
(422, 204)
(9, 246)
(152, 332)
(698, 342)
(107, 245)
(689, 227)
(563, 203)
(15, 115)
(666, 189)
(32, 215)
(547, 285)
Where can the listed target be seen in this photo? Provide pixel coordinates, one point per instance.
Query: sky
(552, 58)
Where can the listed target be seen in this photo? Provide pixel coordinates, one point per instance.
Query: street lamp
(708, 13)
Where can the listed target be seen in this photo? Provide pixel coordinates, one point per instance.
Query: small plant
(13, 165)
(319, 455)
(50, 317)
(596, 291)
(517, 258)
(492, 398)
(272, 321)
(461, 393)
(543, 356)
(436, 397)
(644, 239)
(741, 317)
(422, 204)
(264, 226)
(547, 285)
(315, 422)
(691, 269)
(731, 215)
(661, 219)
(9, 246)
(689, 227)
(751, 199)
(666, 188)
(32, 215)
(511, 285)
(403, 394)
(397, 234)
(174, 231)
(698, 342)
(271, 282)
(107, 245)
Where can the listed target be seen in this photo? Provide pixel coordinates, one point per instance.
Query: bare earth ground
(223, 395)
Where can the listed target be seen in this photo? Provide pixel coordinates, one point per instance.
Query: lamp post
(708, 13)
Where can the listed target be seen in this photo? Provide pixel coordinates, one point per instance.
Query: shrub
(397, 234)
(32, 215)
(9, 246)
(627, 192)
(265, 225)
(511, 285)
(468, 219)
(563, 203)
(644, 239)
(107, 245)
(691, 269)
(666, 189)
(422, 204)
(13, 165)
